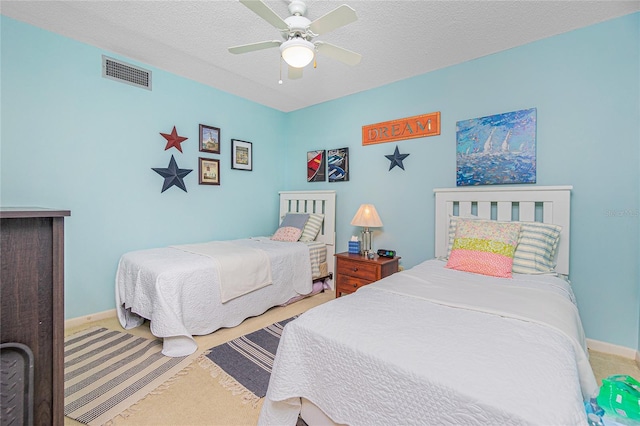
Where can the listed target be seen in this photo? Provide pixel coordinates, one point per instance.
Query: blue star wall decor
(396, 159)
(172, 175)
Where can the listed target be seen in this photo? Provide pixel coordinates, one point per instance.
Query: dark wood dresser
(32, 300)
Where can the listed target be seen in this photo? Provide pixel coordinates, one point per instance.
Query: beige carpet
(198, 399)
(605, 365)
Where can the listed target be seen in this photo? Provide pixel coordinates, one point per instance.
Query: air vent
(125, 73)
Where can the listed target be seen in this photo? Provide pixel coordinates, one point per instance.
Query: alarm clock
(387, 253)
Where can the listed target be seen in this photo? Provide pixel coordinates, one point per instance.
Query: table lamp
(367, 217)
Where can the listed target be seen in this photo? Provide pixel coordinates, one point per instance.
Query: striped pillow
(484, 247)
(536, 248)
(312, 227)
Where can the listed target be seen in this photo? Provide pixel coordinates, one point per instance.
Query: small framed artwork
(241, 155)
(338, 160)
(316, 166)
(209, 139)
(209, 171)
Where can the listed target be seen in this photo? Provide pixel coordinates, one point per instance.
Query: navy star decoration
(396, 159)
(173, 175)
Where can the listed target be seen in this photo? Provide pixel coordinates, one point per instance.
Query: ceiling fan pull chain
(280, 80)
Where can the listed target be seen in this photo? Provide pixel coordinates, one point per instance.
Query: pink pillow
(484, 247)
(287, 233)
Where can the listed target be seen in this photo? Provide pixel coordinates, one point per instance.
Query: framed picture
(209, 139)
(338, 160)
(241, 155)
(497, 149)
(209, 171)
(316, 166)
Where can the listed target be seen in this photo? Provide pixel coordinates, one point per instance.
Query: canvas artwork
(316, 166)
(338, 160)
(498, 149)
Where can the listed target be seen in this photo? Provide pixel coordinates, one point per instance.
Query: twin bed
(196, 289)
(449, 341)
(438, 345)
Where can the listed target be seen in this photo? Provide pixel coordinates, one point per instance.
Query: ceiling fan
(298, 49)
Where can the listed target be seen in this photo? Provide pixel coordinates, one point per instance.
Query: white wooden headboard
(548, 204)
(323, 202)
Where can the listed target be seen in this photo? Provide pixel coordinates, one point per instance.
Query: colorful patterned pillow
(312, 227)
(484, 247)
(287, 233)
(536, 250)
(453, 223)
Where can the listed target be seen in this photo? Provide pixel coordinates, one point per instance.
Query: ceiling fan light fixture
(297, 52)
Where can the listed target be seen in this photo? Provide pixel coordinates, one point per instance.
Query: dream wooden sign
(418, 126)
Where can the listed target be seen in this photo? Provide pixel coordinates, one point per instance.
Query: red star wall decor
(173, 140)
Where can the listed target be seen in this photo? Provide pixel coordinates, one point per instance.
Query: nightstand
(354, 271)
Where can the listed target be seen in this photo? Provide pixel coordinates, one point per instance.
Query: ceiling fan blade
(337, 18)
(252, 47)
(338, 53)
(295, 73)
(266, 13)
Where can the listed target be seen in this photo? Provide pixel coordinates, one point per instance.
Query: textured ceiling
(397, 39)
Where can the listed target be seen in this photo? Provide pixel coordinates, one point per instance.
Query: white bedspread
(394, 355)
(179, 291)
(240, 269)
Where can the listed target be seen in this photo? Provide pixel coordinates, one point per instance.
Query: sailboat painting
(316, 166)
(497, 149)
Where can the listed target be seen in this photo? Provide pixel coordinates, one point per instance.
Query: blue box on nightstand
(354, 247)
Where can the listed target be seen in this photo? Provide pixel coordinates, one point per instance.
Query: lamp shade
(297, 52)
(367, 216)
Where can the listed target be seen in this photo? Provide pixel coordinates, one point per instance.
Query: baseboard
(611, 349)
(77, 322)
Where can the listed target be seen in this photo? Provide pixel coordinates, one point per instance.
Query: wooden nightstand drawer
(357, 269)
(348, 284)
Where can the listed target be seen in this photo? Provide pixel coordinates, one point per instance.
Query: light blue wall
(585, 87)
(73, 140)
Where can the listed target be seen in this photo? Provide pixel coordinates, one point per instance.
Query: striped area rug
(107, 371)
(244, 364)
